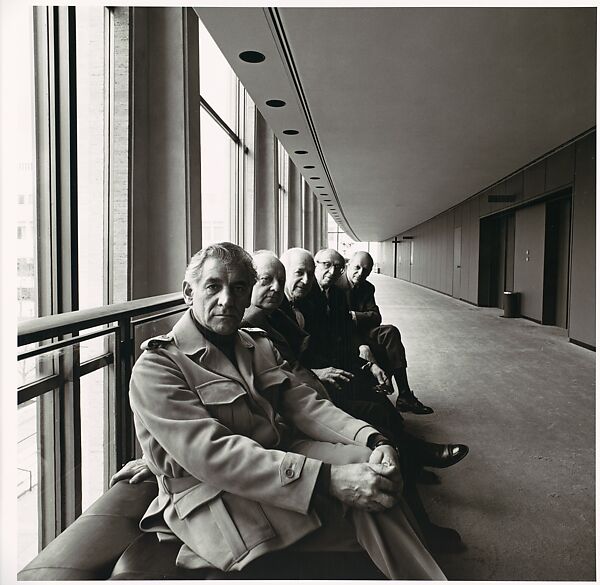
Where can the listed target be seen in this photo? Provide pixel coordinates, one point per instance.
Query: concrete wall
(572, 167)
(164, 183)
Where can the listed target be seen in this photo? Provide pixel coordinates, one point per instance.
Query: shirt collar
(190, 340)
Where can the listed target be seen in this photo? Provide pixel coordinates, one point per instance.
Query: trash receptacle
(511, 304)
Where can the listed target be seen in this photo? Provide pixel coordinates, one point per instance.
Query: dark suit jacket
(332, 338)
(285, 333)
(288, 338)
(361, 300)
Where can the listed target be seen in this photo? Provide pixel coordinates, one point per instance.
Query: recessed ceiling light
(309, 167)
(275, 103)
(252, 56)
(291, 132)
(301, 151)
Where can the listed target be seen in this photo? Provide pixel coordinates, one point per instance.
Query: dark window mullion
(67, 405)
(219, 120)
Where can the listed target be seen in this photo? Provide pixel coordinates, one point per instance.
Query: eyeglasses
(328, 265)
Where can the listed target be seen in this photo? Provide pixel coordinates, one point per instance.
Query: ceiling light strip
(276, 25)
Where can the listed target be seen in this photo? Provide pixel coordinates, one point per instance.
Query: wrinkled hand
(367, 486)
(386, 456)
(135, 471)
(380, 375)
(334, 376)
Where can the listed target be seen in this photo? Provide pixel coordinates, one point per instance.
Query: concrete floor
(523, 398)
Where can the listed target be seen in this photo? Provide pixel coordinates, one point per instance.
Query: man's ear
(188, 293)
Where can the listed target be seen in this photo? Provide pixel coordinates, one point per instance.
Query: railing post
(126, 448)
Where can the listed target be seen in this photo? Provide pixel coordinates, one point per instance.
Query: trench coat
(220, 440)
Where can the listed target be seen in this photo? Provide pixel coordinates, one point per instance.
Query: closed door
(556, 263)
(457, 254)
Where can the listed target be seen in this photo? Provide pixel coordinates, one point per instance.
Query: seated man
(333, 356)
(219, 419)
(290, 340)
(384, 340)
(331, 353)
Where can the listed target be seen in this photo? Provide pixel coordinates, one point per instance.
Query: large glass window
(27, 304)
(70, 162)
(91, 161)
(27, 482)
(91, 173)
(217, 179)
(22, 143)
(218, 82)
(219, 142)
(338, 240)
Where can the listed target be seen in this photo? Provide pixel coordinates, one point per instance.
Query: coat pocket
(226, 402)
(271, 378)
(190, 499)
(224, 527)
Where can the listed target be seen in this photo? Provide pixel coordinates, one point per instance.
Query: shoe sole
(403, 408)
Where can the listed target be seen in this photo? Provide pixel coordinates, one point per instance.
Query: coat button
(289, 473)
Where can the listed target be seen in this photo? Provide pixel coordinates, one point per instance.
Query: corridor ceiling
(405, 112)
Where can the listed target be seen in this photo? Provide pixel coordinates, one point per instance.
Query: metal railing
(56, 390)
(64, 330)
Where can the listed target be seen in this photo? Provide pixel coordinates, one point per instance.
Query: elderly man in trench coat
(249, 459)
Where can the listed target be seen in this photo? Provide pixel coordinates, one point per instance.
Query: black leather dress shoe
(410, 403)
(441, 456)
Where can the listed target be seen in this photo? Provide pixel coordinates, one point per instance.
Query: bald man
(331, 354)
(384, 341)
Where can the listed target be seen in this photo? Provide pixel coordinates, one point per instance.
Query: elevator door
(556, 263)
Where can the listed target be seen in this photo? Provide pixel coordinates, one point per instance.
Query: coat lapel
(191, 342)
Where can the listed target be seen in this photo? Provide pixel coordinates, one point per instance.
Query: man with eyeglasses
(333, 354)
(355, 384)
(333, 351)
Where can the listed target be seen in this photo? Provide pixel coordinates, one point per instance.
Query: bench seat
(105, 542)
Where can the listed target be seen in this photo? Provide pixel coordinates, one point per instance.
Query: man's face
(219, 297)
(328, 268)
(299, 276)
(268, 293)
(359, 268)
